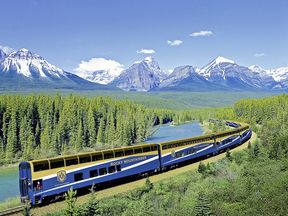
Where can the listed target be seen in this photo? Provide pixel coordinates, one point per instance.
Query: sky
(92, 34)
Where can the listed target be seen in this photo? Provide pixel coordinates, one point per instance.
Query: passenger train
(41, 180)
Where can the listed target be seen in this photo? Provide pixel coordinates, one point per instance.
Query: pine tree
(70, 199)
(202, 207)
(91, 127)
(228, 155)
(201, 168)
(92, 208)
(100, 134)
(11, 138)
(111, 131)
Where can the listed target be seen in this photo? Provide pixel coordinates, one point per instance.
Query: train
(41, 180)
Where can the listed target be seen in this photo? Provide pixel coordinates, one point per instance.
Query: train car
(181, 151)
(41, 179)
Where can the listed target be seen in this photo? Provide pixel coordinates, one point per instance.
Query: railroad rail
(11, 211)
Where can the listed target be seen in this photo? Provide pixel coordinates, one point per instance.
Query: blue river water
(9, 187)
(169, 132)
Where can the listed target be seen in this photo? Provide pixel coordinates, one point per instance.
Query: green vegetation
(250, 182)
(42, 126)
(163, 100)
(10, 203)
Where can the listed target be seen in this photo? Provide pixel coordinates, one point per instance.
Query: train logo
(61, 175)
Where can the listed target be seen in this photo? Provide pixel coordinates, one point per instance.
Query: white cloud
(174, 43)
(201, 34)
(146, 51)
(7, 49)
(259, 54)
(94, 64)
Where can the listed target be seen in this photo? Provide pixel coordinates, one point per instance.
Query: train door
(24, 178)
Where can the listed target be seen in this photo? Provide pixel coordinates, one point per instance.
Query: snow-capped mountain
(99, 76)
(185, 78)
(225, 72)
(22, 69)
(2, 55)
(141, 76)
(279, 74)
(24, 62)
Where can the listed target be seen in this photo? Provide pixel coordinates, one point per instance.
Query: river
(9, 187)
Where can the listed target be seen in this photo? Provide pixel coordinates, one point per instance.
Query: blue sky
(66, 32)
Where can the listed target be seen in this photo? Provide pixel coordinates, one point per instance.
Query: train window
(179, 154)
(146, 149)
(85, 159)
(41, 166)
(118, 168)
(108, 155)
(97, 157)
(102, 171)
(71, 161)
(190, 151)
(128, 152)
(154, 148)
(37, 184)
(78, 177)
(137, 150)
(56, 163)
(119, 153)
(111, 169)
(93, 173)
(165, 147)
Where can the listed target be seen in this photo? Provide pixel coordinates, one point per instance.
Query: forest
(250, 182)
(38, 126)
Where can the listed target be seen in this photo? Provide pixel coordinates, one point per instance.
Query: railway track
(11, 211)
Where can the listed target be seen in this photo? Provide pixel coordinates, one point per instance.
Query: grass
(10, 203)
(121, 189)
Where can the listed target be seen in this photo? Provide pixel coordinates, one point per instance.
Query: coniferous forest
(32, 127)
(248, 182)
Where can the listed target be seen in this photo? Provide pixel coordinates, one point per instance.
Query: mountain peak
(24, 54)
(221, 59)
(24, 50)
(149, 59)
(2, 54)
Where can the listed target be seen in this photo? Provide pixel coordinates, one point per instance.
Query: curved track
(11, 211)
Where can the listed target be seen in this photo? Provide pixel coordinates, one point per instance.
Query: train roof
(134, 146)
(93, 152)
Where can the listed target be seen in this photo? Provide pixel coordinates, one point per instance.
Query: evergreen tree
(70, 199)
(201, 168)
(202, 207)
(101, 130)
(92, 208)
(12, 138)
(228, 155)
(91, 127)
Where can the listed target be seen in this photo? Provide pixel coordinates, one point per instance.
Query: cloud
(7, 49)
(146, 51)
(201, 34)
(95, 64)
(259, 54)
(174, 43)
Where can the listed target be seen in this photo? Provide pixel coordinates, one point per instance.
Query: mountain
(141, 76)
(279, 74)
(99, 76)
(185, 78)
(24, 69)
(227, 73)
(2, 55)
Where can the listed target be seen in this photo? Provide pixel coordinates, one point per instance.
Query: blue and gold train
(42, 180)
